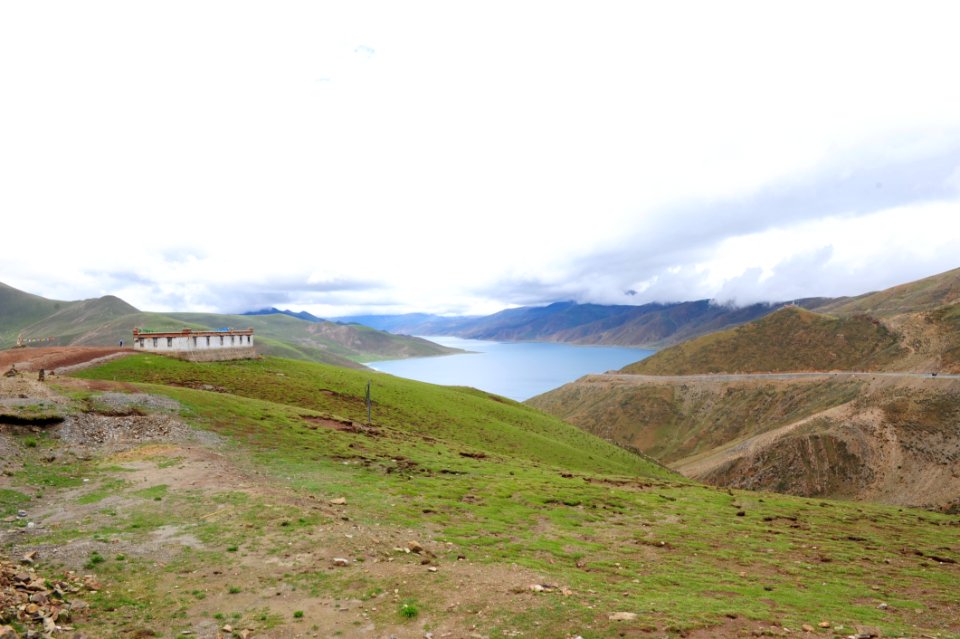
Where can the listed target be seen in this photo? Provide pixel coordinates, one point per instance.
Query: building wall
(201, 342)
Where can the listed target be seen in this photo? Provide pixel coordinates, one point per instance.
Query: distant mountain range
(107, 320)
(649, 325)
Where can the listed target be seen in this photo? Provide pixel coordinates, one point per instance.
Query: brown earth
(881, 437)
(57, 358)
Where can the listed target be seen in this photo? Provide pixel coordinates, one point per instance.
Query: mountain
(709, 408)
(304, 315)
(107, 320)
(649, 325)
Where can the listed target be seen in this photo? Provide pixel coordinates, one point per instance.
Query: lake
(518, 370)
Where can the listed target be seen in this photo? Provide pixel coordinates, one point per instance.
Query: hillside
(19, 309)
(892, 436)
(923, 295)
(790, 339)
(253, 499)
(107, 320)
(886, 438)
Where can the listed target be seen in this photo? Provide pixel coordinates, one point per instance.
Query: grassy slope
(679, 555)
(921, 295)
(791, 339)
(19, 309)
(465, 416)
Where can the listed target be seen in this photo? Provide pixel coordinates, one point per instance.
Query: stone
(341, 561)
(883, 606)
(432, 569)
(339, 501)
(7, 632)
(29, 558)
(622, 616)
(807, 627)
(414, 547)
(824, 624)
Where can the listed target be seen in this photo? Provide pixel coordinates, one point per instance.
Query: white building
(190, 344)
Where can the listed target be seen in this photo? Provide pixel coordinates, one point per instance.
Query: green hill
(19, 309)
(790, 339)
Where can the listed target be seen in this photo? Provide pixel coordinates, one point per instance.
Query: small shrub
(233, 548)
(408, 611)
(234, 590)
(298, 614)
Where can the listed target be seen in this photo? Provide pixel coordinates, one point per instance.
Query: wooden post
(368, 402)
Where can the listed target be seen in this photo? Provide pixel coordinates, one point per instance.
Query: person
(121, 343)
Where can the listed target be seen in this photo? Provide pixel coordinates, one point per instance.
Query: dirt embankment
(57, 358)
(893, 439)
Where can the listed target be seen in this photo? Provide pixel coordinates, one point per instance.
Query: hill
(304, 315)
(790, 339)
(193, 494)
(923, 295)
(697, 407)
(886, 438)
(107, 320)
(19, 309)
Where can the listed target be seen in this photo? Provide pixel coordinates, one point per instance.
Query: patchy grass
(496, 491)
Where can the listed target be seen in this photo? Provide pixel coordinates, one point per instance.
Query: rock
(536, 588)
(622, 616)
(824, 624)
(339, 501)
(21, 514)
(7, 632)
(29, 558)
(432, 569)
(341, 561)
(414, 547)
(49, 625)
(227, 628)
(883, 606)
(807, 627)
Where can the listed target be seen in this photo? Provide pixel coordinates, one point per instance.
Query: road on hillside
(734, 377)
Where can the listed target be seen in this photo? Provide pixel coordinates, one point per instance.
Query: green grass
(510, 489)
(11, 501)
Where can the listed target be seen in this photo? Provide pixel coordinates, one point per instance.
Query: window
(154, 342)
(194, 341)
(169, 342)
(232, 338)
(208, 340)
(221, 340)
(141, 342)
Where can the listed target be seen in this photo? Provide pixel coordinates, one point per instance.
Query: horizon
(460, 160)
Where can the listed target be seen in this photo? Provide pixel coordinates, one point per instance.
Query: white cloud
(463, 156)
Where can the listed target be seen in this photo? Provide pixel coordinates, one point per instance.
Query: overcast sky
(459, 157)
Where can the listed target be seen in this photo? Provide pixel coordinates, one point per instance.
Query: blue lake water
(518, 370)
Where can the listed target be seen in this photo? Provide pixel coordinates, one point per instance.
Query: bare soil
(57, 358)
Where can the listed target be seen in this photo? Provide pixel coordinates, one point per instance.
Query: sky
(465, 157)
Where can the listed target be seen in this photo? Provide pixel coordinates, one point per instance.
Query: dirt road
(58, 358)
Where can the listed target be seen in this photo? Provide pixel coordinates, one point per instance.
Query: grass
(521, 497)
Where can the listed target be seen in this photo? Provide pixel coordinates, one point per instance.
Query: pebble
(341, 561)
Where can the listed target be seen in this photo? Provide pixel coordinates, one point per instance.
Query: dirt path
(57, 358)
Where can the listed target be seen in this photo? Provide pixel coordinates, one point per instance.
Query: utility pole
(368, 402)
